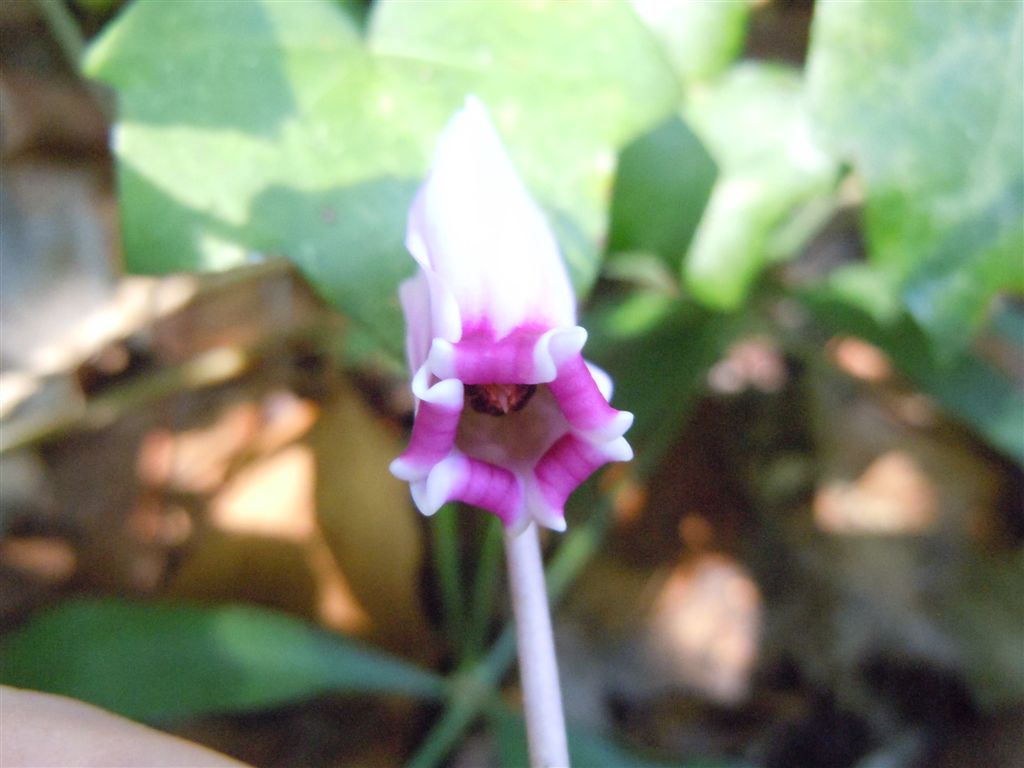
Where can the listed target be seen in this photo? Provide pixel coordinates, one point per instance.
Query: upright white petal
(475, 227)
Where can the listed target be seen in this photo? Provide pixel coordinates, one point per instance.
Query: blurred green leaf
(1008, 323)
(658, 350)
(150, 661)
(966, 386)
(927, 101)
(358, 10)
(985, 618)
(700, 38)
(509, 730)
(860, 286)
(663, 183)
(586, 748)
(96, 6)
(975, 392)
(755, 125)
(257, 127)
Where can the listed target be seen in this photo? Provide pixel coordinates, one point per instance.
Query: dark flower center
(499, 399)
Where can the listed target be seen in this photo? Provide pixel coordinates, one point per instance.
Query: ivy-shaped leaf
(256, 128)
(926, 100)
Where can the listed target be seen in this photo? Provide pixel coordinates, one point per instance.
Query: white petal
(602, 379)
(414, 295)
(448, 392)
(443, 479)
(615, 428)
(419, 497)
(476, 228)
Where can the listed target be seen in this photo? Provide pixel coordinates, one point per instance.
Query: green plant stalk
(484, 587)
(449, 573)
(473, 689)
(64, 30)
(471, 692)
(72, 43)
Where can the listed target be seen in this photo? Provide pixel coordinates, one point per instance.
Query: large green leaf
(257, 127)
(154, 661)
(754, 122)
(927, 101)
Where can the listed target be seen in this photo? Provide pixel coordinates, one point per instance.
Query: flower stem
(538, 668)
(577, 549)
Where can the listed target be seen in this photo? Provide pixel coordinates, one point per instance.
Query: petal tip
(540, 509)
(400, 468)
(442, 481)
(473, 104)
(419, 491)
(619, 449)
(566, 342)
(623, 421)
(447, 393)
(556, 524)
(441, 359)
(614, 428)
(554, 348)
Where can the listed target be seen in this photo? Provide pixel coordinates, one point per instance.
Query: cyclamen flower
(509, 416)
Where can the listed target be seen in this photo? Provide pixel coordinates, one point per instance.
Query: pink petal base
(525, 356)
(582, 403)
(474, 482)
(433, 433)
(521, 466)
(569, 462)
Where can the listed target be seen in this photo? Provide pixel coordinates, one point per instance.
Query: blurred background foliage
(797, 234)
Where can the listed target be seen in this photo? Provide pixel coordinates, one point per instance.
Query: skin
(40, 730)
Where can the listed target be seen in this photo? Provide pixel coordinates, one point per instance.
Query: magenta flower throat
(509, 416)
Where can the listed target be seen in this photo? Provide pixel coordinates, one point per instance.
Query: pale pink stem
(538, 668)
